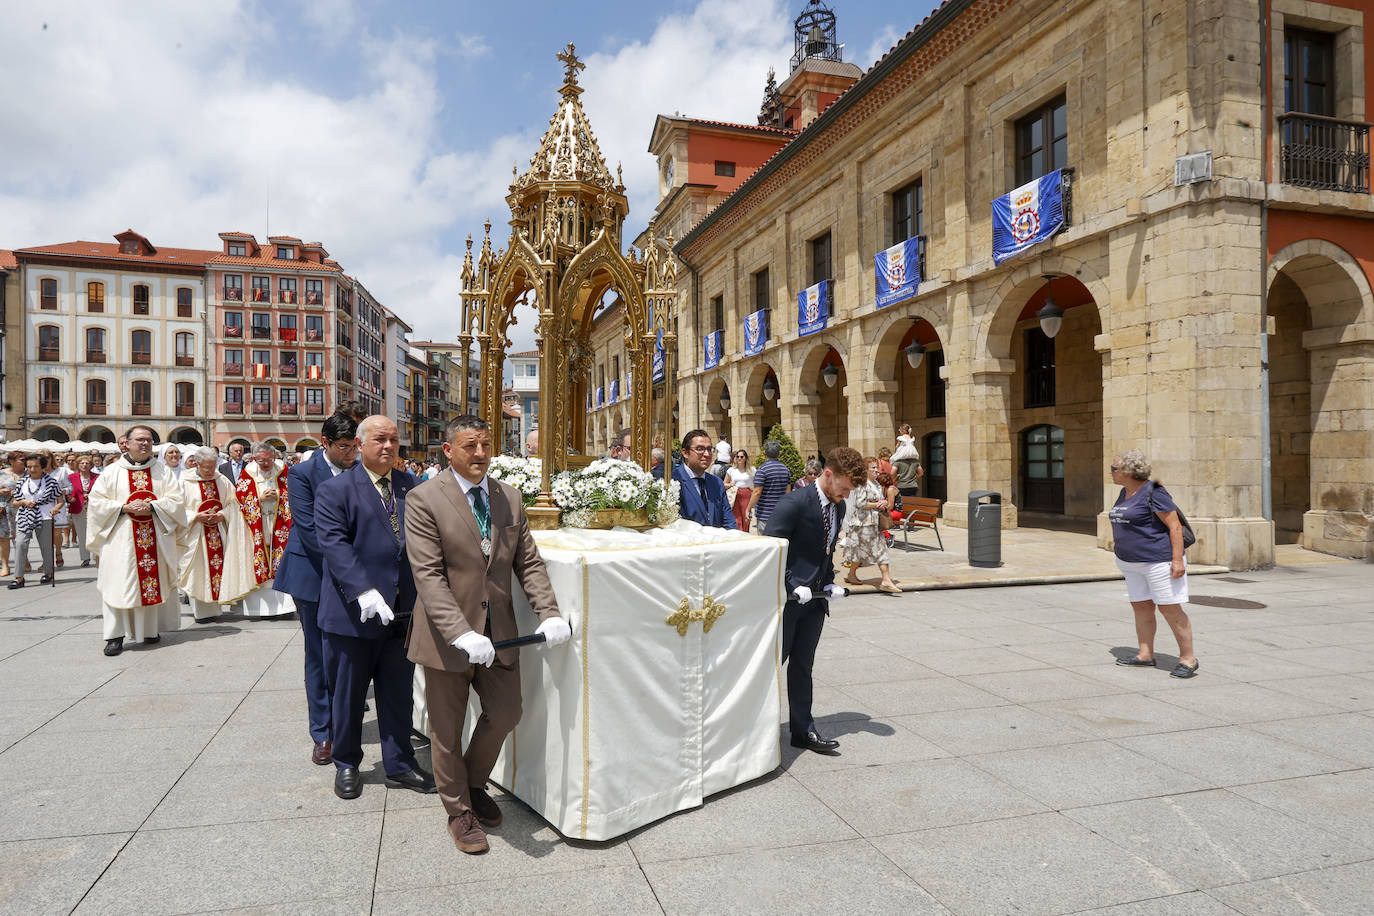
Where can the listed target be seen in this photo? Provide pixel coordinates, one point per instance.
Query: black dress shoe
(114, 646)
(417, 780)
(348, 782)
(17, 583)
(812, 741)
(486, 809)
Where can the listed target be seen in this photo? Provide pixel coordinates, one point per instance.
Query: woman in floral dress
(861, 539)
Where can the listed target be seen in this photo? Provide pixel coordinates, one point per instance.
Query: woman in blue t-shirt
(1149, 552)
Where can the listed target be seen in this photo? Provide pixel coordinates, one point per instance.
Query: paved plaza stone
(994, 760)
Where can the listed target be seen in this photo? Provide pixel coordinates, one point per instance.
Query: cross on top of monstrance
(571, 65)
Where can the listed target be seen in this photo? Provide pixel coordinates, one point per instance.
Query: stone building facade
(1213, 272)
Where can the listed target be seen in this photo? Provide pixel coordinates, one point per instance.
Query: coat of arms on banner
(897, 272)
(1029, 214)
(755, 333)
(711, 343)
(813, 310)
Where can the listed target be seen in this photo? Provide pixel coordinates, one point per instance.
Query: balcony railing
(49, 407)
(233, 294)
(233, 330)
(233, 407)
(143, 410)
(1325, 154)
(262, 295)
(48, 354)
(186, 360)
(286, 333)
(95, 356)
(233, 368)
(186, 410)
(261, 333)
(313, 335)
(262, 370)
(143, 358)
(286, 295)
(314, 409)
(314, 297)
(288, 371)
(287, 408)
(95, 408)
(261, 408)
(346, 377)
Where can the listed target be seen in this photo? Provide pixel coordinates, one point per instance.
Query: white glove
(479, 649)
(372, 604)
(802, 594)
(556, 631)
(836, 592)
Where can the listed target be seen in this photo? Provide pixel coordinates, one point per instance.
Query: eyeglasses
(701, 449)
(1115, 469)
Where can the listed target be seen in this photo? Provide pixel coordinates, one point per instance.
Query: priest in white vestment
(215, 569)
(266, 513)
(136, 511)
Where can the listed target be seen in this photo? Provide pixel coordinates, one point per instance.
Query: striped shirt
(44, 492)
(771, 479)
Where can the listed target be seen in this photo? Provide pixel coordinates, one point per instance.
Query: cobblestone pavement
(995, 760)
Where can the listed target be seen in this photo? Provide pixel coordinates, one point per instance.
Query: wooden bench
(921, 512)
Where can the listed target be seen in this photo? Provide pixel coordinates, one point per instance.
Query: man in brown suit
(465, 534)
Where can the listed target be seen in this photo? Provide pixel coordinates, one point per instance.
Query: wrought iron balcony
(1325, 154)
(233, 330)
(143, 410)
(313, 335)
(314, 297)
(261, 295)
(95, 356)
(287, 408)
(233, 368)
(286, 295)
(314, 409)
(260, 408)
(186, 360)
(186, 410)
(142, 358)
(233, 293)
(49, 407)
(288, 371)
(233, 407)
(95, 408)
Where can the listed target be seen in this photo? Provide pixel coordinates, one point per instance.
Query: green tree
(789, 455)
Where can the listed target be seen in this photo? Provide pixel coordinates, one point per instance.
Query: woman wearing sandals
(861, 538)
(1149, 552)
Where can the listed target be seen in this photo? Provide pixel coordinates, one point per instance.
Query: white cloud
(170, 120)
(888, 36)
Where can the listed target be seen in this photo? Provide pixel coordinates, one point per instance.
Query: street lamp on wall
(831, 374)
(914, 354)
(725, 399)
(1051, 316)
(770, 389)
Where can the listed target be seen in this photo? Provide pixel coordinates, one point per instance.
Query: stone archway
(1320, 367)
(52, 431)
(762, 407)
(821, 409)
(186, 435)
(1022, 379)
(714, 418)
(97, 434)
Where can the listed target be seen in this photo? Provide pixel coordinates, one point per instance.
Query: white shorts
(1151, 582)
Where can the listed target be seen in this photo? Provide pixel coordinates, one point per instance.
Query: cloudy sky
(386, 131)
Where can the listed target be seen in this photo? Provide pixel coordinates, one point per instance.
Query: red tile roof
(222, 261)
(760, 128)
(7, 261)
(193, 257)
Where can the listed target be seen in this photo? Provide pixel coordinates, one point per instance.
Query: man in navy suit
(367, 593)
(703, 494)
(809, 519)
(300, 573)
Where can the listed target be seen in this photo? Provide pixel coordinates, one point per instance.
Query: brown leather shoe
(488, 814)
(323, 753)
(467, 835)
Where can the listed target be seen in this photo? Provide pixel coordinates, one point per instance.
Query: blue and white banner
(1030, 214)
(658, 358)
(711, 343)
(813, 308)
(600, 396)
(615, 390)
(755, 332)
(897, 272)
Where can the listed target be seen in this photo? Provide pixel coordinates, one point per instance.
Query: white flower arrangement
(522, 473)
(608, 483)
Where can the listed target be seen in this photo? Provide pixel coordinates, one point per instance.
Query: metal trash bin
(984, 528)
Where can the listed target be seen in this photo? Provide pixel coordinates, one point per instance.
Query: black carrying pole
(518, 641)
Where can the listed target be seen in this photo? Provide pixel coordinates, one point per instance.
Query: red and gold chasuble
(145, 540)
(266, 557)
(214, 543)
